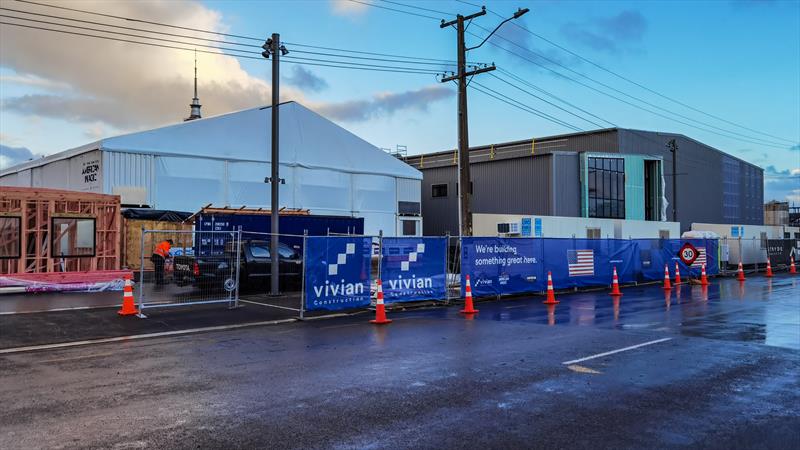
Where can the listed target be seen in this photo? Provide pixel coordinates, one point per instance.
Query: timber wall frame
(36, 207)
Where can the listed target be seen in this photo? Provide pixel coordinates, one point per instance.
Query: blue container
(294, 226)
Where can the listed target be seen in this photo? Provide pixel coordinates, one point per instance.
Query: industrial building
(224, 161)
(604, 174)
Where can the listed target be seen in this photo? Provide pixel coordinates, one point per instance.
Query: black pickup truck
(219, 271)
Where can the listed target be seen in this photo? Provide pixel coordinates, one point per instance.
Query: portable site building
(224, 160)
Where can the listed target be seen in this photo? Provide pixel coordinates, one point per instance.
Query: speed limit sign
(688, 253)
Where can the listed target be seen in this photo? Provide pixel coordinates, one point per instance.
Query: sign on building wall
(86, 172)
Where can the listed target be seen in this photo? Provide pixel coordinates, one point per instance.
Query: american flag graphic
(580, 262)
(701, 257)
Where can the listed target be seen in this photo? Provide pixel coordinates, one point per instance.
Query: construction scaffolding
(52, 230)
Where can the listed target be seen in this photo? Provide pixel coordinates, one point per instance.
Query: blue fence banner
(414, 269)
(337, 272)
(498, 266)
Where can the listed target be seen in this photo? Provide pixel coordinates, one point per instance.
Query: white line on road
(31, 348)
(625, 349)
(268, 304)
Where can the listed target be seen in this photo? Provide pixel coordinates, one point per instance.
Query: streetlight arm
(516, 15)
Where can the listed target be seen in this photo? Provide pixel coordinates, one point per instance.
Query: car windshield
(262, 251)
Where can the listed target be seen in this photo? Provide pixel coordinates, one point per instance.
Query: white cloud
(33, 81)
(347, 8)
(124, 84)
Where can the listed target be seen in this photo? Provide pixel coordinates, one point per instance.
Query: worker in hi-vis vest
(160, 254)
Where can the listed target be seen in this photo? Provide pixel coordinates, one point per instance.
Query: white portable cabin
(224, 160)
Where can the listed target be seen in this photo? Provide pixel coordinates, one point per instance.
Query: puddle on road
(761, 310)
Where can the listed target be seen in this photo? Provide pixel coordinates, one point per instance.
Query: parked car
(255, 263)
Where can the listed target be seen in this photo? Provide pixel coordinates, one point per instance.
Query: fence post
(141, 276)
(303, 279)
(380, 253)
(238, 265)
(447, 269)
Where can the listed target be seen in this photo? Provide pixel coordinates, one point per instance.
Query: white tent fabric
(224, 159)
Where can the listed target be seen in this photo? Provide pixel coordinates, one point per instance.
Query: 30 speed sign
(688, 253)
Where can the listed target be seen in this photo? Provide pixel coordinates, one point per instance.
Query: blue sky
(739, 60)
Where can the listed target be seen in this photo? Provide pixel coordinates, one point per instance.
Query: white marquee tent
(223, 160)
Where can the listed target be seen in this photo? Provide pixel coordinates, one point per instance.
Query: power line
(635, 83)
(197, 44)
(553, 96)
(418, 7)
(395, 10)
(546, 101)
(753, 140)
(253, 38)
(623, 100)
(119, 33)
(129, 19)
(311, 62)
(537, 112)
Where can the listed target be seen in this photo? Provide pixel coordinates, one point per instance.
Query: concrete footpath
(715, 368)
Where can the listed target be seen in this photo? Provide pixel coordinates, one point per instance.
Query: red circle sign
(688, 254)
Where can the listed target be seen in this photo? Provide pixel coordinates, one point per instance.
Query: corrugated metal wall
(440, 214)
(566, 182)
(700, 179)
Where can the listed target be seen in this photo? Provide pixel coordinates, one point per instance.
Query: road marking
(515, 306)
(619, 350)
(31, 348)
(269, 304)
(582, 369)
(72, 308)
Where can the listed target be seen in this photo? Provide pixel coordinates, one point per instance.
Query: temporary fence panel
(414, 269)
(337, 272)
(500, 266)
(202, 267)
(589, 262)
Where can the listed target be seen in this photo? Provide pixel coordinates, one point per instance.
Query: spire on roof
(194, 108)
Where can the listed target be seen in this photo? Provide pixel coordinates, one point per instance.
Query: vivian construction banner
(498, 266)
(337, 272)
(413, 268)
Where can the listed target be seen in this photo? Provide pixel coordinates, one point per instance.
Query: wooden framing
(37, 206)
(132, 239)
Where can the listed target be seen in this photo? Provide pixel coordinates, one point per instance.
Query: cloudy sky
(738, 61)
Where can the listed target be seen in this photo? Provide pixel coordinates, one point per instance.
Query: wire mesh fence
(186, 268)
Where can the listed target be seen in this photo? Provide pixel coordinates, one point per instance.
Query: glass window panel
(592, 183)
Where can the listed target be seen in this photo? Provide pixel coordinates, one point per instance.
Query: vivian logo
(412, 284)
(346, 290)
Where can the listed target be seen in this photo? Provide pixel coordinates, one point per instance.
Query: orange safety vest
(162, 249)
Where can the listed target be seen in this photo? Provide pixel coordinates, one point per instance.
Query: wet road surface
(715, 368)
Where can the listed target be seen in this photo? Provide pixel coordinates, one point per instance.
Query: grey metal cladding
(700, 178)
(566, 184)
(513, 186)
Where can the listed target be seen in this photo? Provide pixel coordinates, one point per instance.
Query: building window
(593, 233)
(10, 237)
(606, 183)
(409, 228)
(439, 190)
(73, 236)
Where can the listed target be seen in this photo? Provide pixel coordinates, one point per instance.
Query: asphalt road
(710, 369)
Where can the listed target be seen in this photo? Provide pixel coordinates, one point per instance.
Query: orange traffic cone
(380, 308)
(769, 270)
(703, 277)
(740, 274)
(551, 295)
(677, 273)
(667, 284)
(128, 304)
(468, 307)
(615, 284)
(792, 269)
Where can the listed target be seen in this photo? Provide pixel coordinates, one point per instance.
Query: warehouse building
(224, 160)
(605, 174)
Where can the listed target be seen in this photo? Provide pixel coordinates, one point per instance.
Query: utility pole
(673, 147)
(274, 48)
(464, 179)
